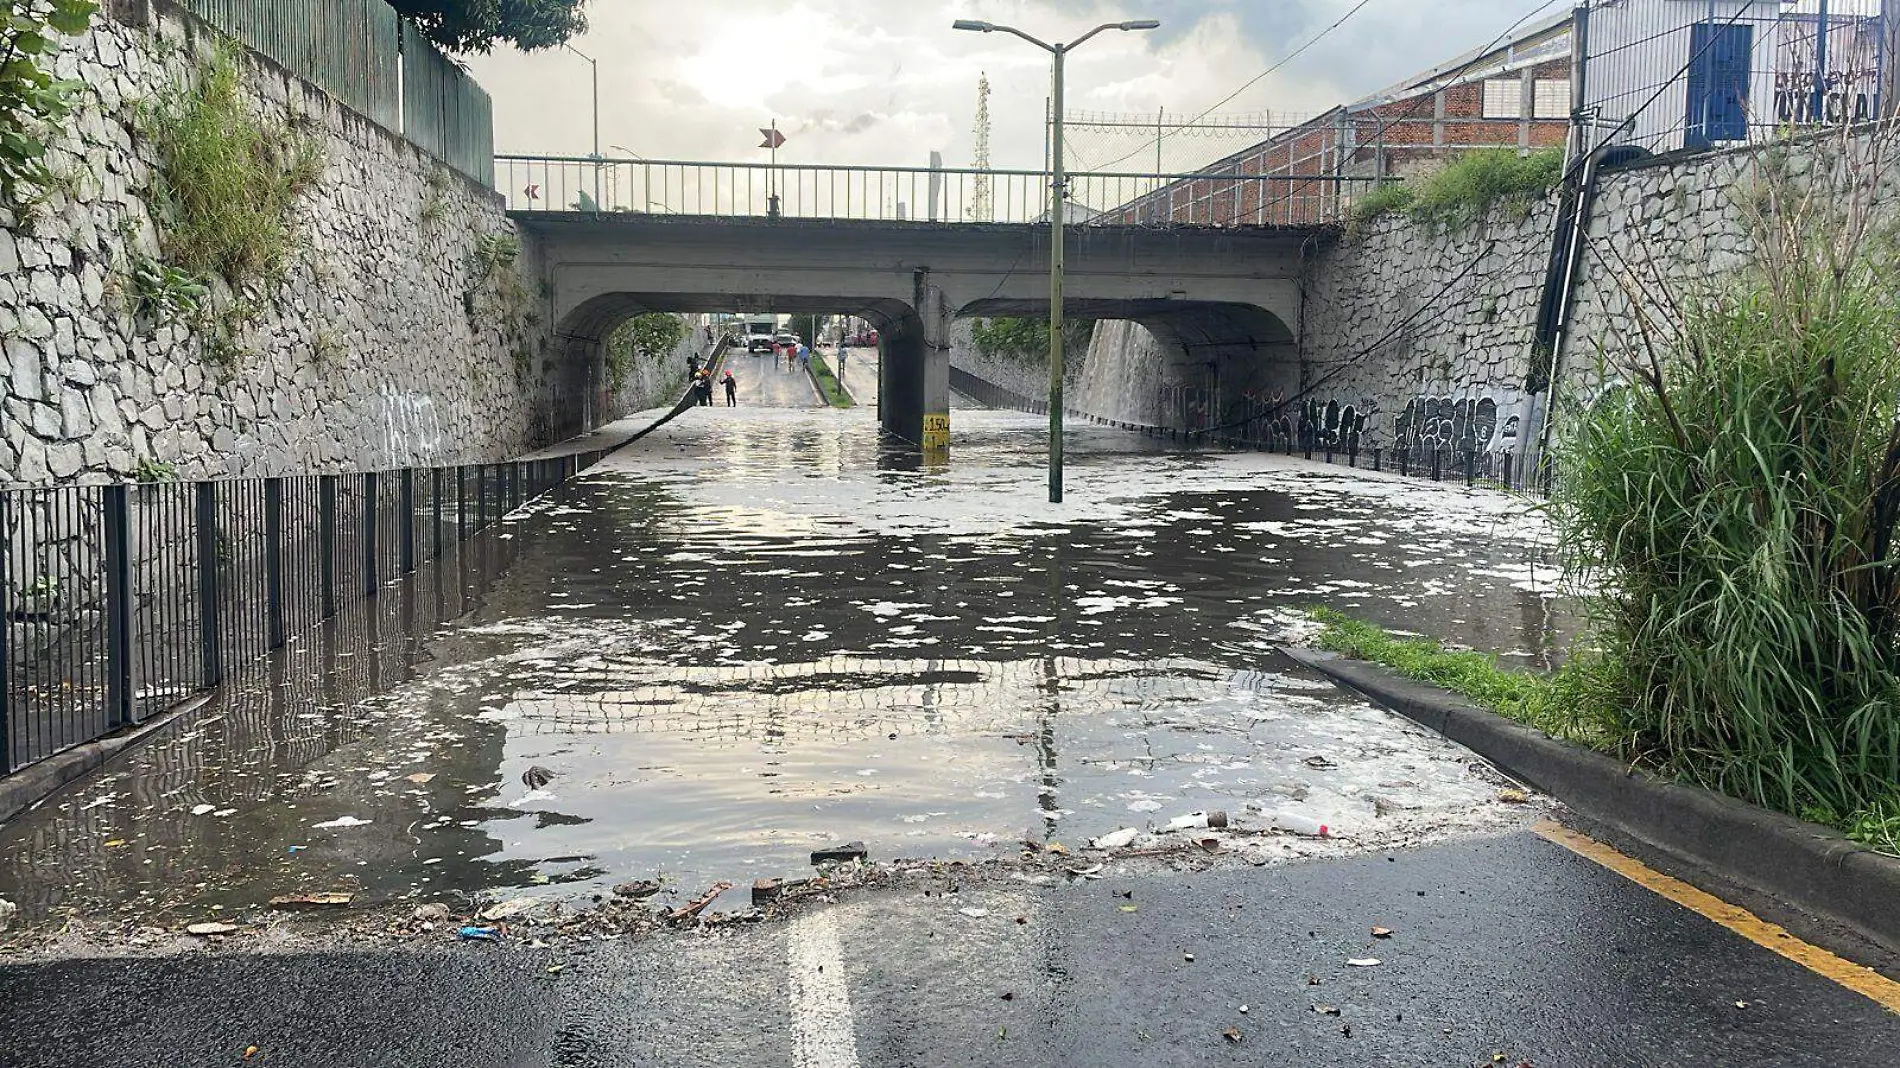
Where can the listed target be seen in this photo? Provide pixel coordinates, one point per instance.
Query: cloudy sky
(887, 81)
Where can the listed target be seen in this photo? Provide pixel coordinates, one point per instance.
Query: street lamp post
(1058, 191)
(597, 156)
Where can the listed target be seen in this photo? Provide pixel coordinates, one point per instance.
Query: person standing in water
(732, 390)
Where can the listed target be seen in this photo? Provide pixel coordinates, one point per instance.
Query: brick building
(1515, 93)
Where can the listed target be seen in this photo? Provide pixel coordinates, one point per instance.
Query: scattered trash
(203, 810)
(1129, 908)
(206, 930)
(432, 913)
(307, 902)
(294, 850)
(249, 1052)
(638, 888)
(1326, 1010)
(1365, 962)
(1232, 1034)
(841, 854)
(1243, 1010)
(1116, 839)
(1513, 797)
(764, 890)
(973, 913)
(694, 907)
(1741, 1004)
(1382, 932)
(8, 910)
(341, 821)
(1216, 819)
(555, 969)
(1211, 845)
(420, 777)
(1008, 995)
(1319, 763)
(224, 812)
(1093, 871)
(1298, 823)
(508, 910)
(1057, 848)
(478, 934)
(536, 777)
(1189, 957)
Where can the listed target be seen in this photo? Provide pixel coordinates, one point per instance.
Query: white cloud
(887, 81)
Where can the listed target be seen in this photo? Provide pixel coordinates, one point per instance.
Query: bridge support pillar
(914, 372)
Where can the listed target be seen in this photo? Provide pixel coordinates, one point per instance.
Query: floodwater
(759, 632)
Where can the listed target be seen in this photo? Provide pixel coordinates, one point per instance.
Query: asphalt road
(1504, 950)
(765, 381)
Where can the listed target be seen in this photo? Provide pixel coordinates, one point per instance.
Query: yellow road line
(1858, 978)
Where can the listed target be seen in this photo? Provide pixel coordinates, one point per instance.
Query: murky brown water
(758, 632)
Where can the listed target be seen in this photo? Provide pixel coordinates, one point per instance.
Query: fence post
(408, 522)
(435, 504)
(120, 689)
(372, 487)
(274, 559)
(211, 660)
(326, 541)
(6, 638)
(1471, 463)
(461, 503)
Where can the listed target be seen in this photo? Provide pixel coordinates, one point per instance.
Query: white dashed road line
(823, 1032)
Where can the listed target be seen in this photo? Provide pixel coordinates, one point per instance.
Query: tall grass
(1735, 502)
(228, 179)
(1465, 189)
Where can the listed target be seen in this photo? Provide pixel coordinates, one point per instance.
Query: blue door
(1718, 83)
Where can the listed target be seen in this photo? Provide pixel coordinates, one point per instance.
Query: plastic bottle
(1194, 820)
(1298, 823)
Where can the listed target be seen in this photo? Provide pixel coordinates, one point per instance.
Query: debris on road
(1514, 797)
(1116, 839)
(7, 911)
(536, 777)
(694, 907)
(1365, 962)
(432, 913)
(764, 890)
(1382, 932)
(1232, 1034)
(841, 854)
(1326, 1010)
(249, 1052)
(478, 934)
(420, 777)
(203, 810)
(308, 902)
(508, 910)
(1092, 871)
(341, 821)
(1319, 763)
(638, 888)
(206, 930)
(1297, 823)
(973, 913)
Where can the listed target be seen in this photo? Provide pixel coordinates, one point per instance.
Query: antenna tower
(982, 210)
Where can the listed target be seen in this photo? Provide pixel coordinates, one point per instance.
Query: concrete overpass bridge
(1218, 291)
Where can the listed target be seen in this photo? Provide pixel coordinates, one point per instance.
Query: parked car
(865, 339)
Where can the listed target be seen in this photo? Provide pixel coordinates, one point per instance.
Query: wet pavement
(1504, 950)
(759, 632)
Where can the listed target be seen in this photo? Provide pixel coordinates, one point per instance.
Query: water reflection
(747, 636)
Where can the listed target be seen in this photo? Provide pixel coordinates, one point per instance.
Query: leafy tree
(1028, 339)
(30, 98)
(649, 338)
(477, 25)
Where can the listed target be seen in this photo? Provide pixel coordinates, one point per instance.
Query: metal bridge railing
(920, 194)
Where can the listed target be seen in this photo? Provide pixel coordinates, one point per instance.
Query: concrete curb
(28, 787)
(1802, 865)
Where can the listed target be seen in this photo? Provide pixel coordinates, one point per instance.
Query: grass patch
(228, 179)
(1467, 188)
(1547, 702)
(828, 384)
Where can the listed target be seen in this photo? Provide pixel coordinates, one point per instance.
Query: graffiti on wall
(1333, 425)
(1457, 424)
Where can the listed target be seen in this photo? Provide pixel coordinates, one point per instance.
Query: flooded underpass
(759, 633)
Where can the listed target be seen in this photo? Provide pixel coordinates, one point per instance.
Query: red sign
(773, 138)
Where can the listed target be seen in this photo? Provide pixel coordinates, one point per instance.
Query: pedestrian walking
(732, 391)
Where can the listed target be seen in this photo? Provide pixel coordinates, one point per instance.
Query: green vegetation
(479, 25)
(150, 470)
(162, 293)
(828, 384)
(30, 97)
(1547, 702)
(1737, 501)
(229, 180)
(651, 338)
(1028, 339)
(1468, 187)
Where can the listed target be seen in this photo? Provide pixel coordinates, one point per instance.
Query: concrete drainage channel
(1819, 881)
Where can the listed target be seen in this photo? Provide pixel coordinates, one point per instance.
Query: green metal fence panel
(444, 112)
(347, 47)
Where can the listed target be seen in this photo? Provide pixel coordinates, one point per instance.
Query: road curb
(1807, 867)
(38, 781)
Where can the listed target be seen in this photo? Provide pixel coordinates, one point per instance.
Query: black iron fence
(1495, 469)
(119, 601)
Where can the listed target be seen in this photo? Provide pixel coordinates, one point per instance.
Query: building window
(1551, 98)
(1503, 98)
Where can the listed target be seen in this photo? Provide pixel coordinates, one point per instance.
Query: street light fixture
(1058, 190)
(597, 156)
